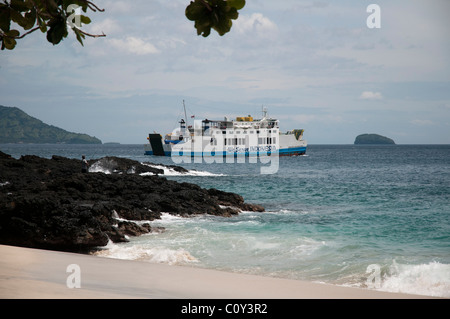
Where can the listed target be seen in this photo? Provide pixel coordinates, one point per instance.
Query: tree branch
(26, 33)
(4, 35)
(92, 35)
(93, 6)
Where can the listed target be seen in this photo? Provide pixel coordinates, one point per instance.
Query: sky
(314, 65)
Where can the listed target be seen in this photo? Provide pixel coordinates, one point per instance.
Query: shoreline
(28, 273)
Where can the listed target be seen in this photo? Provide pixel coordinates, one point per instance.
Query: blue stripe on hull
(151, 153)
(282, 152)
(293, 151)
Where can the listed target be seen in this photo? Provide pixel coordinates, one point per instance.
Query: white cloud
(256, 22)
(107, 26)
(134, 45)
(369, 95)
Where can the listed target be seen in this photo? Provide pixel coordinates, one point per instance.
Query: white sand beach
(33, 273)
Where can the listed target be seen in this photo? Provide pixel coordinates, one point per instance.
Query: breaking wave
(169, 171)
(432, 279)
(148, 254)
(107, 167)
(101, 167)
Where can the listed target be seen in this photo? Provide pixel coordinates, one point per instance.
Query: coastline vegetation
(16, 126)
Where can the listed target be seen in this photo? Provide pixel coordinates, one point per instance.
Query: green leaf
(85, 20)
(42, 24)
(196, 10)
(30, 19)
(9, 43)
(5, 18)
(238, 4)
(12, 33)
(67, 3)
(20, 5)
(17, 17)
(216, 14)
(232, 13)
(80, 36)
(223, 26)
(57, 31)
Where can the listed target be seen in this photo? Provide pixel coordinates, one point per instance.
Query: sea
(367, 216)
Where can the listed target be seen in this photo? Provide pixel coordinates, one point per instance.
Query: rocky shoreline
(50, 204)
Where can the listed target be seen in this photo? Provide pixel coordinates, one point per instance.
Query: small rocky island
(50, 204)
(373, 139)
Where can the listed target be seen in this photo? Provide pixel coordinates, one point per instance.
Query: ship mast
(185, 116)
(264, 111)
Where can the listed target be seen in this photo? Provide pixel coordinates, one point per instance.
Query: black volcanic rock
(50, 204)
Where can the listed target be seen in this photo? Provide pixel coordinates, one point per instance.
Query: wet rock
(50, 204)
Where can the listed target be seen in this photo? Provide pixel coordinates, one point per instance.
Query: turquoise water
(375, 217)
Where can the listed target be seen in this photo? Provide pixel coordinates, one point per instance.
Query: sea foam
(169, 171)
(99, 167)
(148, 254)
(431, 279)
(107, 167)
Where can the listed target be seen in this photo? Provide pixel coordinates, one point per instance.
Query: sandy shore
(32, 273)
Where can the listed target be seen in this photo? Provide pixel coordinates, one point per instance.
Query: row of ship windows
(245, 132)
(244, 141)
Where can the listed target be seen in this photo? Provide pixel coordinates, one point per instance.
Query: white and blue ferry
(243, 136)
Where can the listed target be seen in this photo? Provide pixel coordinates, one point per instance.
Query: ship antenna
(185, 116)
(264, 111)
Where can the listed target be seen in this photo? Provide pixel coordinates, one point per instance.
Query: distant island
(373, 139)
(16, 126)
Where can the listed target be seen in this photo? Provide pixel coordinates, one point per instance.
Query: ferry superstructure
(243, 136)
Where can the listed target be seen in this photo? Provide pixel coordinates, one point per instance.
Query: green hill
(18, 127)
(373, 139)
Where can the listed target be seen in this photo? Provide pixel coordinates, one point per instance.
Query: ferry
(242, 136)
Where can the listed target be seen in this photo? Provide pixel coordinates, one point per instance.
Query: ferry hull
(288, 151)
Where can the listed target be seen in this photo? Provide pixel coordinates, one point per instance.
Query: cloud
(107, 26)
(134, 45)
(422, 122)
(369, 95)
(256, 22)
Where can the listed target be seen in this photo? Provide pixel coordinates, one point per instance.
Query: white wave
(106, 168)
(203, 173)
(143, 253)
(306, 246)
(289, 212)
(169, 171)
(167, 217)
(432, 279)
(120, 219)
(4, 184)
(98, 167)
(170, 219)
